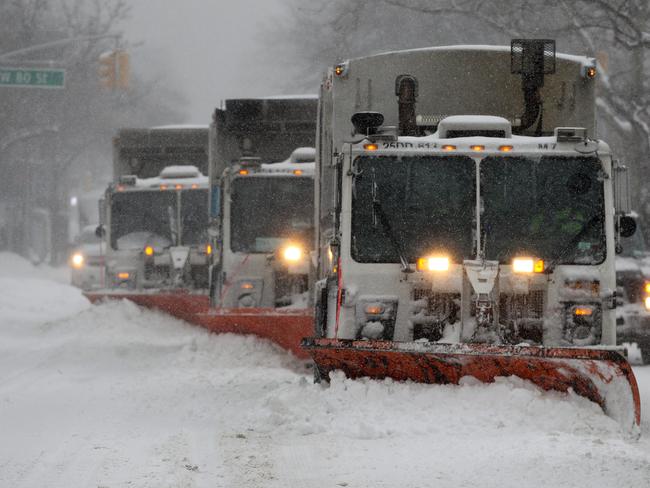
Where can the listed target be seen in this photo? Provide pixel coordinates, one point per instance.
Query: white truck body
(468, 106)
(261, 184)
(156, 210)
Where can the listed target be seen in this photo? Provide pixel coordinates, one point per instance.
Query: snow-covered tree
(616, 32)
(52, 140)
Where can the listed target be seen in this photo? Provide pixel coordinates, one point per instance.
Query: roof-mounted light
(570, 134)
(128, 180)
(180, 171)
(248, 164)
(371, 146)
(303, 155)
(367, 122)
(448, 147)
(341, 69)
(589, 70)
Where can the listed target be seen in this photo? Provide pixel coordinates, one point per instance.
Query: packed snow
(116, 396)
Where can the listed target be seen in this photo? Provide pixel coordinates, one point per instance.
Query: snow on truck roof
(584, 60)
(302, 159)
(290, 97)
(180, 126)
(189, 177)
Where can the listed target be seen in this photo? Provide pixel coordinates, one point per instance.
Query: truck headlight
(647, 303)
(433, 263)
(292, 253)
(77, 260)
(527, 265)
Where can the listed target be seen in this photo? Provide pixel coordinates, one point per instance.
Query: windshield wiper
(173, 227)
(378, 211)
(572, 243)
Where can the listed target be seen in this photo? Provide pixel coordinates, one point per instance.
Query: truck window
(140, 218)
(429, 202)
(266, 211)
(194, 217)
(549, 207)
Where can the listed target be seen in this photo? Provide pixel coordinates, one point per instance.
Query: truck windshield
(549, 207)
(140, 218)
(266, 211)
(194, 217)
(429, 202)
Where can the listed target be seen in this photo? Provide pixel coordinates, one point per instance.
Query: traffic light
(114, 69)
(123, 70)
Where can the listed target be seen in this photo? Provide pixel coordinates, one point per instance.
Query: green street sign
(32, 77)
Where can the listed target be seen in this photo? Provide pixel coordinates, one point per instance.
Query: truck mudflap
(285, 327)
(603, 376)
(181, 304)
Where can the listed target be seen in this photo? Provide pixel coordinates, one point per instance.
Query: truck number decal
(397, 145)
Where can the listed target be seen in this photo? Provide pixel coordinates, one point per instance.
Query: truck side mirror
(100, 231)
(622, 202)
(101, 207)
(626, 226)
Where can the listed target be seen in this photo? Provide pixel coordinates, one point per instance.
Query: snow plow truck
(261, 218)
(467, 221)
(155, 217)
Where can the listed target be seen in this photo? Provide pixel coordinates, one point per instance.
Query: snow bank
(365, 409)
(116, 395)
(35, 293)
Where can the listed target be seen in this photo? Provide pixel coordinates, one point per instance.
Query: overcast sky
(207, 49)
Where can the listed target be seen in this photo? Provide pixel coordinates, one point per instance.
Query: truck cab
(262, 201)
(156, 211)
(463, 198)
(475, 238)
(156, 231)
(268, 216)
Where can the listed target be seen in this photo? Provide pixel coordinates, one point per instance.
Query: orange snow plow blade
(603, 376)
(179, 304)
(285, 327)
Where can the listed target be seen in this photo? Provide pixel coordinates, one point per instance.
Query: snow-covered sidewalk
(116, 396)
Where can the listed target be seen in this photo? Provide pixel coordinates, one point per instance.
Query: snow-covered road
(116, 396)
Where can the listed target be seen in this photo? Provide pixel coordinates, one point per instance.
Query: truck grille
(516, 307)
(522, 316)
(431, 311)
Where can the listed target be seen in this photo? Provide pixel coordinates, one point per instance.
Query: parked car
(87, 260)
